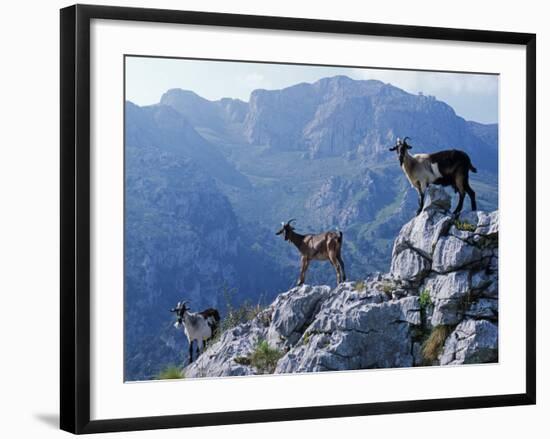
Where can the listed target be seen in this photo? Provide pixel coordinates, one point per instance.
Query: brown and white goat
(444, 168)
(321, 247)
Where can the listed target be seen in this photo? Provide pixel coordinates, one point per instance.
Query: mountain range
(208, 182)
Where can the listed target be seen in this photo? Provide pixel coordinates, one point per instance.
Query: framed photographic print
(268, 218)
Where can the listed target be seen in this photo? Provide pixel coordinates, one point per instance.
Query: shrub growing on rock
(264, 358)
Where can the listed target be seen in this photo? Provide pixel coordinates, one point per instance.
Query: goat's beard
(177, 324)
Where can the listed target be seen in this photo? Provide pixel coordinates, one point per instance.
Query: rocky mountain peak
(437, 305)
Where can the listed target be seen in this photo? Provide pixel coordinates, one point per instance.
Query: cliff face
(438, 305)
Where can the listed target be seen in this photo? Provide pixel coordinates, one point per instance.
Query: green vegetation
(425, 299)
(433, 345)
(245, 361)
(264, 358)
(240, 314)
(359, 286)
(171, 372)
(306, 338)
(465, 226)
(235, 315)
(387, 288)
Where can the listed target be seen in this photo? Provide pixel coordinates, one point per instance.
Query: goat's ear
(279, 232)
(394, 148)
(409, 146)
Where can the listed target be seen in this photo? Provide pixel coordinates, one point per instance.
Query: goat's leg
(305, 264)
(460, 185)
(334, 261)
(301, 276)
(420, 198)
(460, 202)
(200, 345)
(190, 351)
(471, 194)
(341, 262)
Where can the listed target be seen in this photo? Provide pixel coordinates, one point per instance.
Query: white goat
(198, 326)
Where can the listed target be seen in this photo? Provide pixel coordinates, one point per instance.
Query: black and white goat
(198, 326)
(444, 168)
(322, 247)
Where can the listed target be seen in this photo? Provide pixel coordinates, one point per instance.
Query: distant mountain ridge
(339, 115)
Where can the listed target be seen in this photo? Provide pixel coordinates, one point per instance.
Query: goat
(199, 326)
(444, 168)
(323, 246)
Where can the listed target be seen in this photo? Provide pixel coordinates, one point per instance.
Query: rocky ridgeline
(438, 305)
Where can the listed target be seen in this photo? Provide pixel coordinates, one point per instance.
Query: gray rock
(483, 309)
(447, 292)
(452, 253)
(493, 263)
(292, 310)
(221, 359)
(422, 233)
(409, 265)
(486, 223)
(464, 235)
(352, 336)
(473, 341)
(485, 283)
(418, 358)
(491, 291)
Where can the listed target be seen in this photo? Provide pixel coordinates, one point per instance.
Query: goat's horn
(293, 219)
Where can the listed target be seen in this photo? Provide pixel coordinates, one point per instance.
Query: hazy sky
(473, 96)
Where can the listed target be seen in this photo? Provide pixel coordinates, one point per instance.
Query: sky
(472, 96)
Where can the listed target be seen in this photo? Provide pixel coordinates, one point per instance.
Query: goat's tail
(340, 236)
(211, 314)
(213, 320)
(470, 166)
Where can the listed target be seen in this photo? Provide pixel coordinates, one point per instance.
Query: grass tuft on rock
(170, 373)
(433, 345)
(465, 226)
(387, 288)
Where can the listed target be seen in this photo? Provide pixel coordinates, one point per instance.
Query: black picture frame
(75, 217)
